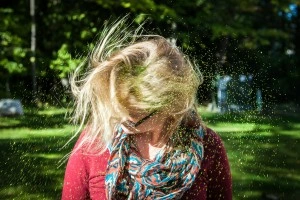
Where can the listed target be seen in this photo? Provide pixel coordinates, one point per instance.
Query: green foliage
(222, 36)
(12, 51)
(63, 63)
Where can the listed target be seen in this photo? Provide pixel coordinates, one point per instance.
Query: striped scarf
(168, 176)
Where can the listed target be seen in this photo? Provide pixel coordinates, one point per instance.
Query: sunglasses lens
(133, 126)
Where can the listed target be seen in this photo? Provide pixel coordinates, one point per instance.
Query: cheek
(151, 125)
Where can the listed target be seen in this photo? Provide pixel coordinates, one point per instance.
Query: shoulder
(85, 174)
(89, 158)
(85, 163)
(214, 170)
(212, 139)
(214, 179)
(217, 167)
(214, 149)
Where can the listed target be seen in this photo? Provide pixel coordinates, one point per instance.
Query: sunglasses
(135, 124)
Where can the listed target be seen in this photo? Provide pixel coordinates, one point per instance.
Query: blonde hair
(129, 71)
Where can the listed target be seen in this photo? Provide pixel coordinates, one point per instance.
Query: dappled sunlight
(29, 133)
(263, 153)
(247, 51)
(32, 154)
(236, 127)
(46, 156)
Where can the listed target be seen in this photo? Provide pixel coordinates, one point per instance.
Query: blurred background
(248, 52)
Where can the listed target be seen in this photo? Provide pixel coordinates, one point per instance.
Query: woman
(143, 138)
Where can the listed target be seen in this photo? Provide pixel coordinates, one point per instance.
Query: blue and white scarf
(168, 176)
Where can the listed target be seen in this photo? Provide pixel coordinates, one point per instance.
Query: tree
(231, 37)
(13, 49)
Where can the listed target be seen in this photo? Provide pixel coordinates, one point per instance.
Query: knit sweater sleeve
(219, 185)
(85, 175)
(214, 179)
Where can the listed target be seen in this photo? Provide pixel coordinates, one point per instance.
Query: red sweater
(85, 174)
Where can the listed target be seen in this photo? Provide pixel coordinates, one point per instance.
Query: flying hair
(127, 71)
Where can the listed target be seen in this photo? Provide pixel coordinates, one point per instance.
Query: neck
(155, 139)
(147, 147)
(149, 144)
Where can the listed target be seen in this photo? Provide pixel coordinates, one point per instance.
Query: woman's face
(143, 122)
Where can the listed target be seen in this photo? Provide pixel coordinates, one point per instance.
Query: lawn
(263, 151)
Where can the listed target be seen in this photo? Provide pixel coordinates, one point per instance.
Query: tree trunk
(33, 48)
(7, 88)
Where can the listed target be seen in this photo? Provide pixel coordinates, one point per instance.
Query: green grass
(263, 151)
(30, 149)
